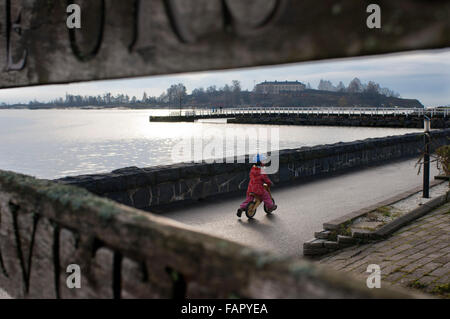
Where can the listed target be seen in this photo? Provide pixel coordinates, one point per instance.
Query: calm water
(57, 143)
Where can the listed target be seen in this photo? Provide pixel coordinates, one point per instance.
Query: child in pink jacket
(256, 186)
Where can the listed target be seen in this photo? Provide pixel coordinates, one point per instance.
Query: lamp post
(426, 158)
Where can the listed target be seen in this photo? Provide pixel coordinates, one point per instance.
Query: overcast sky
(423, 75)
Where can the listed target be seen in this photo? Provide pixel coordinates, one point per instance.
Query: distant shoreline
(86, 108)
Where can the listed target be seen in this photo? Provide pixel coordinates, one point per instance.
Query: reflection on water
(57, 143)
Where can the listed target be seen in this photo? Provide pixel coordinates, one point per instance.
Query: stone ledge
(338, 222)
(159, 187)
(422, 210)
(317, 247)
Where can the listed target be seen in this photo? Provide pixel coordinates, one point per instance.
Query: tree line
(356, 86)
(230, 95)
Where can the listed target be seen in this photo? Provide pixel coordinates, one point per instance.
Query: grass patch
(372, 216)
(346, 229)
(368, 228)
(417, 285)
(441, 289)
(397, 214)
(397, 269)
(386, 211)
(333, 235)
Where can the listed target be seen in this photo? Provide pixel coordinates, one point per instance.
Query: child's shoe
(239, 212)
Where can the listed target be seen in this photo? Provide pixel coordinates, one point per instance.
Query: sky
(422, 75)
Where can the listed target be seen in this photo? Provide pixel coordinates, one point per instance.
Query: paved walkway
(416, 256)
(302, 208)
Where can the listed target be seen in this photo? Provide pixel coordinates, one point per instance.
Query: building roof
(281, 82)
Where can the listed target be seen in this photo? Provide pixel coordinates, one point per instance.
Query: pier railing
(314, 110)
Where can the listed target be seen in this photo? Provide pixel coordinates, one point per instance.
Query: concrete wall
(155, 187)
(126, 253)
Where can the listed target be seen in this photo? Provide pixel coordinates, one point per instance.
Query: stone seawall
(126, 253)
(153, 187)
(438, 122)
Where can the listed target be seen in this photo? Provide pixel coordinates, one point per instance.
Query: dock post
(426, 158)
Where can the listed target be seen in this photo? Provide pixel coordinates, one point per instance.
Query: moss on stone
(385, 211)
(417, 285)
(345, 229)
(333, 235)
(74, 197)
(441, 289)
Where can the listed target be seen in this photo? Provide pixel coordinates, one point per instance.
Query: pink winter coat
(257, 180)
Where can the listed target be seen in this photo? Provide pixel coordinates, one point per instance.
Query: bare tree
(355, 86)
(372, 88)
(236, 95)
(340, 87)
(176, 94)
(326, 86)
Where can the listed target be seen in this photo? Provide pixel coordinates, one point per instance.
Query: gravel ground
(384, 215)
(412, 202)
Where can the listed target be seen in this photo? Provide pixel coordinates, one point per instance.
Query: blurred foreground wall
(146, 37)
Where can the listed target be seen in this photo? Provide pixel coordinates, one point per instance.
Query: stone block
(210, 188)
(142, 198)
(197, 191)
(42, 276)
(322, 234)
(134, 281)
(345, 241)
(285, 174)
(16, 236)
(96, 267)
(121, 197)
(314, 243)
(165, 193)
(168, 175)
(315, 251)
(193, 170)
(332, 245)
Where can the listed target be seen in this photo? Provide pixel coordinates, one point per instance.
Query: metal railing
(431, 112)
